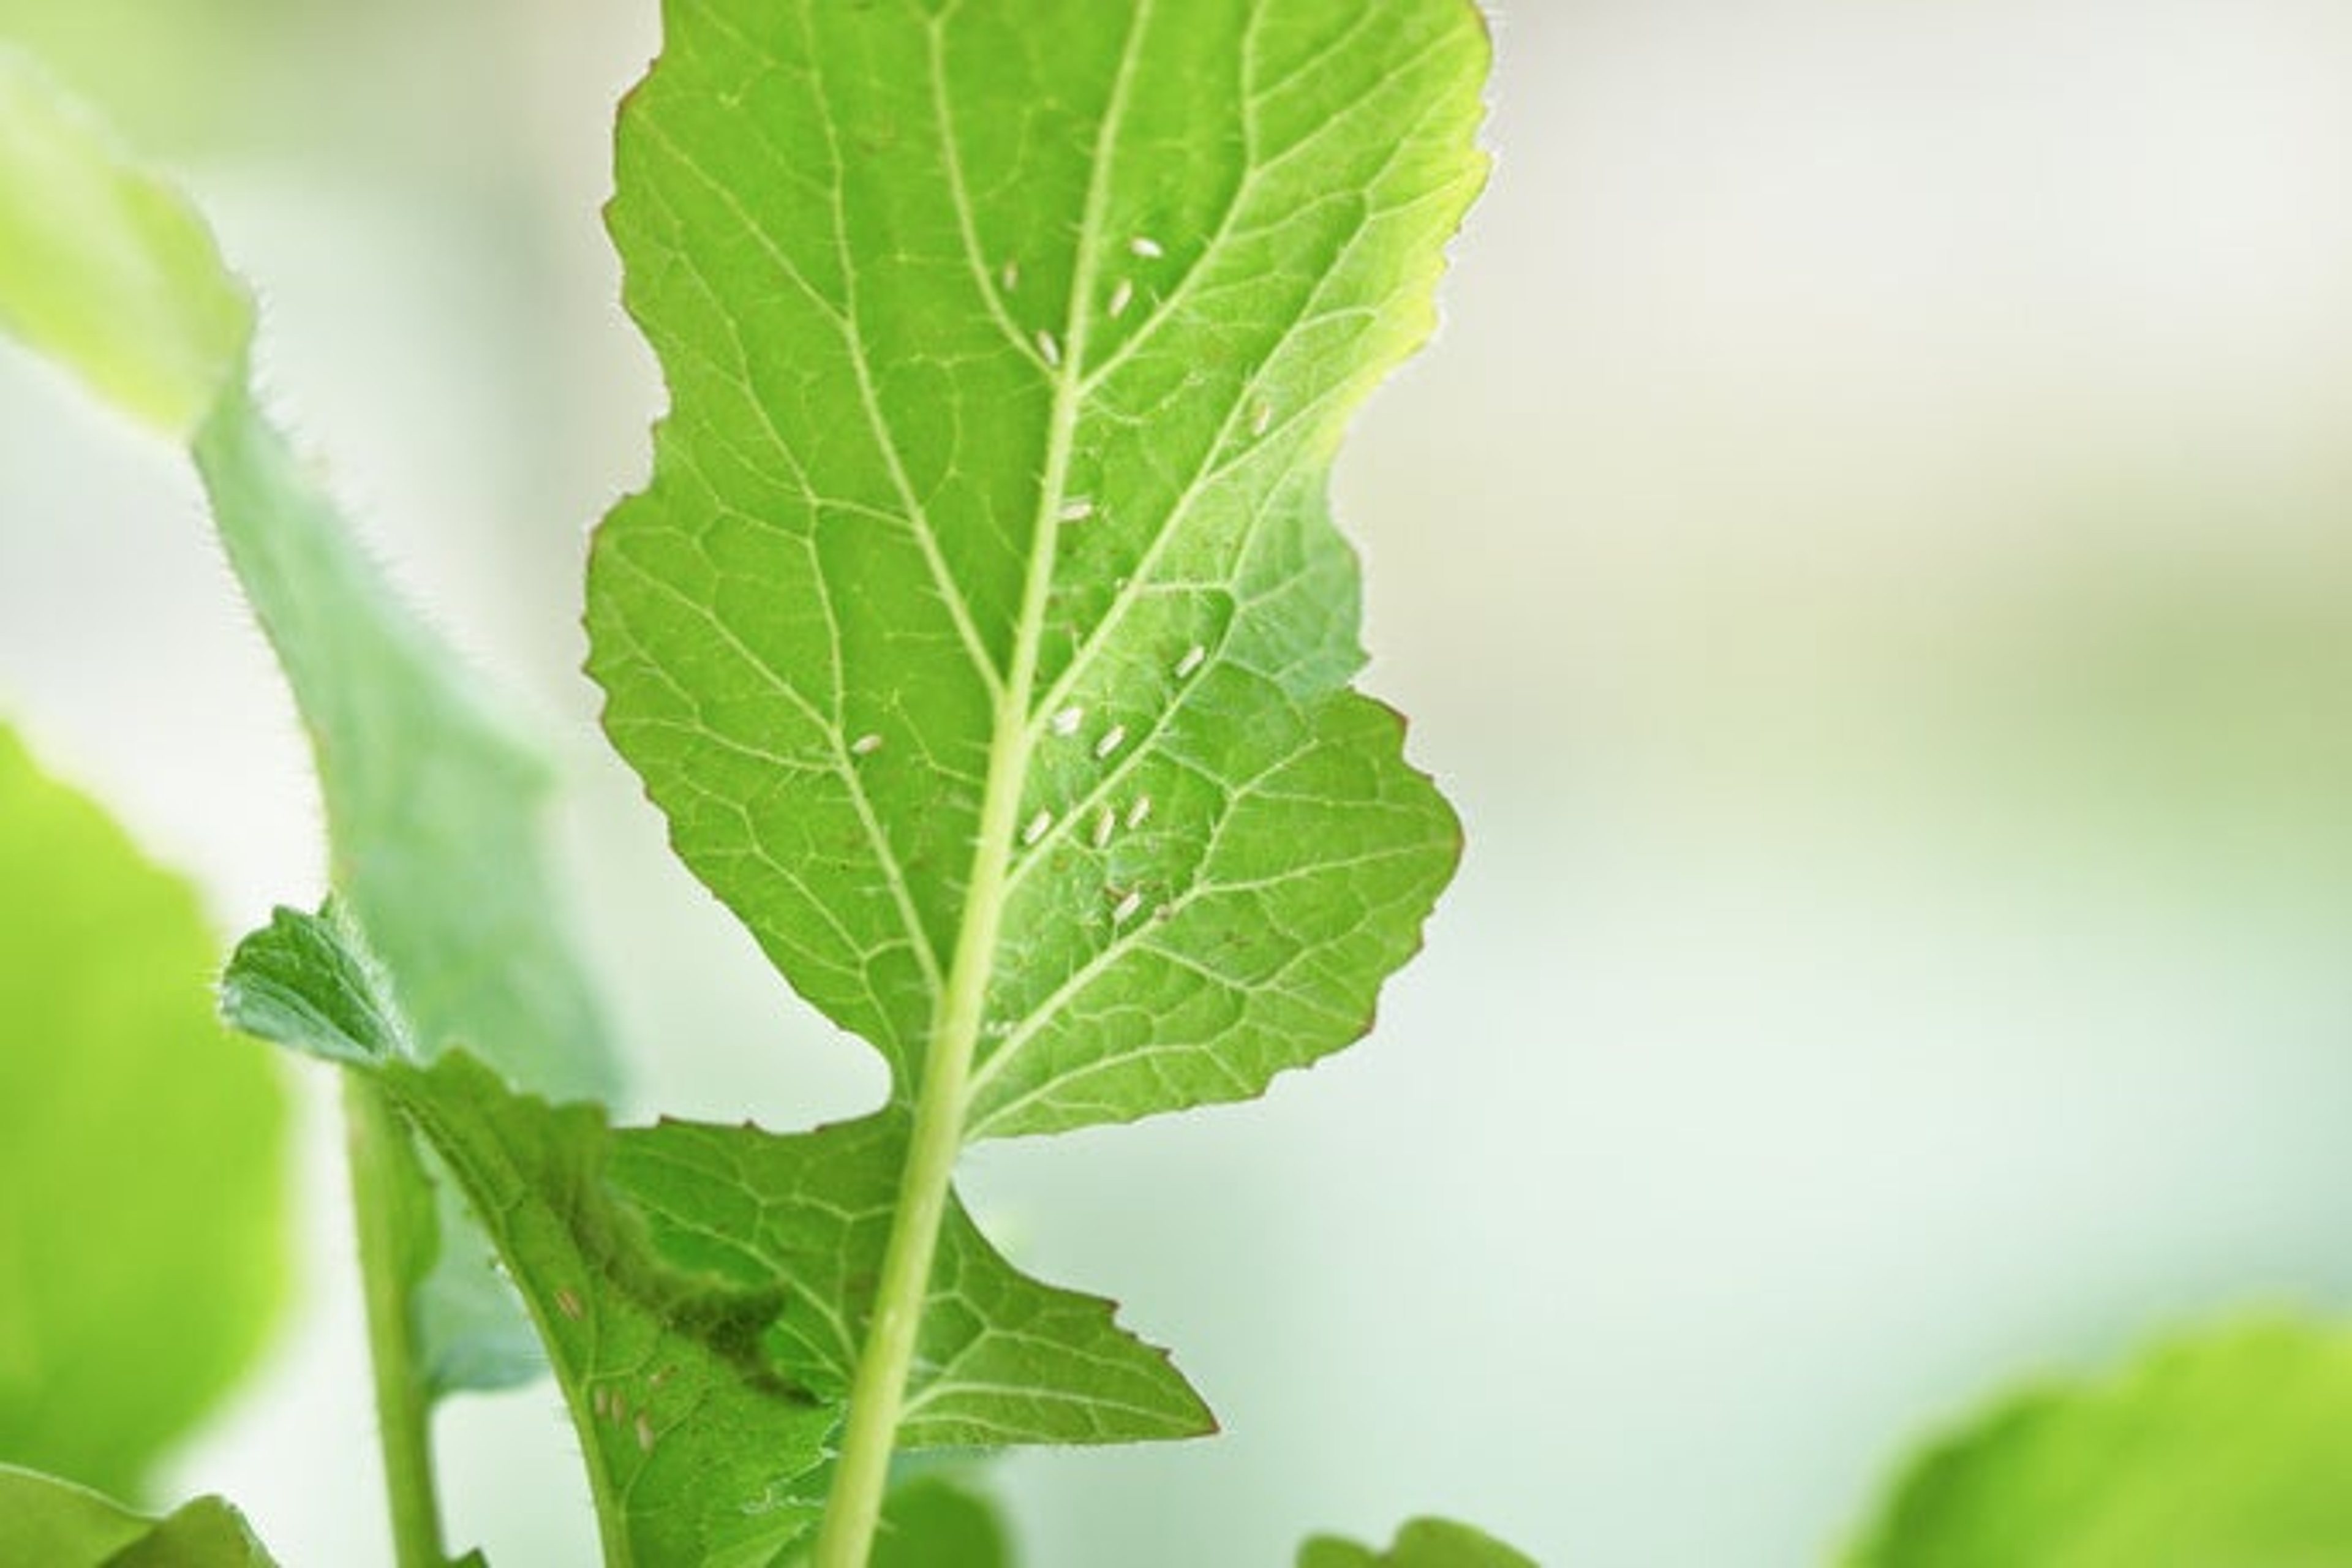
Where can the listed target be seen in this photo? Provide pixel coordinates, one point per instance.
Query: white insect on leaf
(1049, 349)
(1261, 418)
(1112, 740)
(865, 745)
(1104, 824)
(1195, 657)
(1122, 297)
(1146, 247)
(1078, 509)
(1125, 910)
(1067, 720)
(1010, 276)
(1140, 811)
(1039, 826)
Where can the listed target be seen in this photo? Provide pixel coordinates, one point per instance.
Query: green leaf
(702, 1289)
(433, 818)
(1421, 1543)
(2229, 1446)
(984, 626)
(57, 1524)
(433, 809)
(697, 1450)
(805, 1218)
(935, 1517)
(143, 1227)
(937, 1521)
(310, 981)
(432, 806)
(105, 268)
(983, 632)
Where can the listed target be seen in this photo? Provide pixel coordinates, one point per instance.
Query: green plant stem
(380, 1158)
(877, 1393)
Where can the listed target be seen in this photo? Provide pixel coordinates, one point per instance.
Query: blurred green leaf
(940, 1522)
(703, 1289)
(433, 808)
(49, 1524)
(2226, 1448)
(143, 1150)
(1421, 1543)
(107, 269)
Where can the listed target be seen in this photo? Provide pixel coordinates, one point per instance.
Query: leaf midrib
(941, 1096)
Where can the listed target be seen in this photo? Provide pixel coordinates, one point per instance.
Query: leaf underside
(1008, 345)
(2229, 1446)
(983, 632)
(701, 1289)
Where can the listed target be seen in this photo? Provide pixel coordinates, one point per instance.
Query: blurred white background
(1868, 551)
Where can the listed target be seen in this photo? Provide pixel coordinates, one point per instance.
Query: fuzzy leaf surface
(57, 1524)
(1421, 1544)
(433, 808)
(143, 1158)
(2229, 1446)
(983, 632)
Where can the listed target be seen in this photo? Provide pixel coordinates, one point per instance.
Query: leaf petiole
(384, 1184)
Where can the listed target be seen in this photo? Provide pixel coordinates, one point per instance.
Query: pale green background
(1871, 553)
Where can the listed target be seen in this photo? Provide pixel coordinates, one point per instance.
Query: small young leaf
(143, 1150)
(49, 1524)
(1421, 1543)
(308, 981)
(2229, 1446)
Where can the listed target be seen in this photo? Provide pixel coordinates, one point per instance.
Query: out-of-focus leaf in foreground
(107, 269)
(1421, 1544)
(433, 807)
(143, 1150)
(2229, 1446)
(49, 1524)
